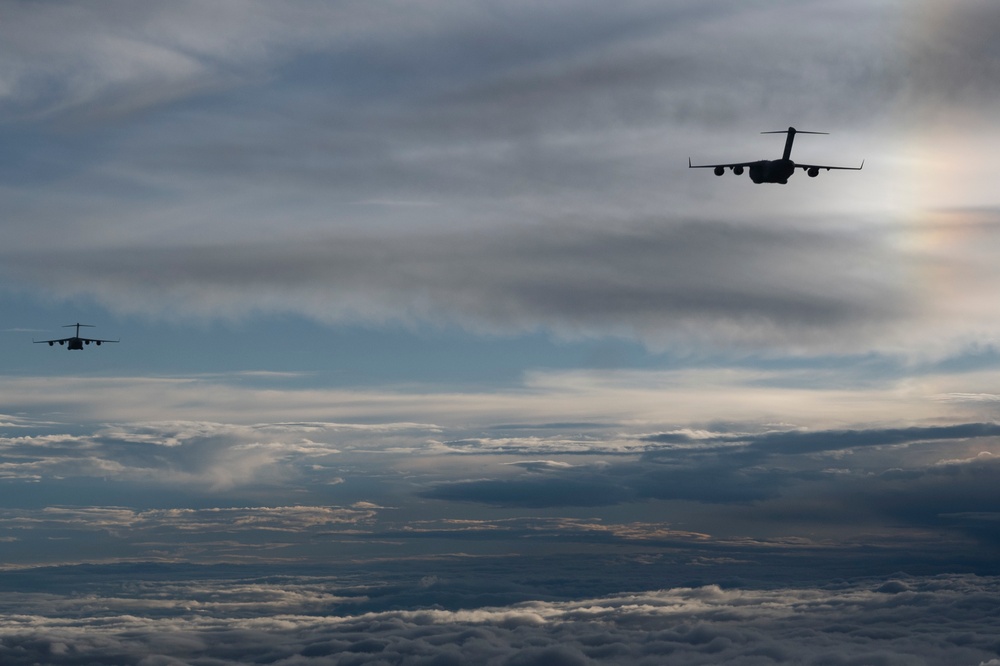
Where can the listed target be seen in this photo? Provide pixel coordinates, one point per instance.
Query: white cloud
(414, 417)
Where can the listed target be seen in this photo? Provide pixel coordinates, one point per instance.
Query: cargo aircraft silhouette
(75, 342)
(774, 171)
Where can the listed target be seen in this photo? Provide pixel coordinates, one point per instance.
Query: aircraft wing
(62, 340)
(725, 166)
(824, 167)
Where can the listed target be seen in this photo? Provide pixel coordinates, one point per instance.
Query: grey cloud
(617, 483)
(110, 60)
(72, 534)
(470, 117)
(536, 493)
(711, 484)
(203, 459)
(956, 502)
(805, 442)
(584, 47)
(451, 102)
(783, 479)
(289, 519)
(212, 457)
(801, 442)
(736, 284)
(952, 59)
(924, 621)
(958, 496)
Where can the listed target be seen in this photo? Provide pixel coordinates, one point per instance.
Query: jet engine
(738, 170)
(813, 172)
(720, 170)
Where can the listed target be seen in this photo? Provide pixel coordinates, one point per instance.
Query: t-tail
(791, 132)
(78, 327)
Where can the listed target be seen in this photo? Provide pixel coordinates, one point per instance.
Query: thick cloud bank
(211, 492)
(153, 619)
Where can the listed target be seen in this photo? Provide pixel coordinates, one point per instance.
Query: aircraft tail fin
(791, 132)
(78, 327)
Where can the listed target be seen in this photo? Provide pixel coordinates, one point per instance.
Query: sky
(434, 351)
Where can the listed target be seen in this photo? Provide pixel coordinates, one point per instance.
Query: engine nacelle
(738, 170)
(61, 342)
(52, 343)
(813, 172)
(719, 170)
(98, 343)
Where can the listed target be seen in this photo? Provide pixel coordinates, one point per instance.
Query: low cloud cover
(309, 621)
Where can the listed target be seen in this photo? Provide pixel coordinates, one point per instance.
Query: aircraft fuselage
(772, 171)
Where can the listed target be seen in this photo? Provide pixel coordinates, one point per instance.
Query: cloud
(734, 284)
(644, 400)
(535, 493)
(205, 455)
(113, 60)
(700, 286)
(552, 169)
(279, 519)
(541, 465)
(207, 492)
(800, 442)
(874, 480)
(950, 57)
(931, 620)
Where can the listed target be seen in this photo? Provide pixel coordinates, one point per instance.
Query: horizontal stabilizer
(792, 130)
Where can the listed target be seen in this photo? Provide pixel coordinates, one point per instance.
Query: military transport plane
(774, 171)
(75, 342)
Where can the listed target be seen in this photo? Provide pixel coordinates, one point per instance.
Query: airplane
(774, 171)
(75, 342)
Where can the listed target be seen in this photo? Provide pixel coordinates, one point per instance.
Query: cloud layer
(307, 621)
(660, 282)
(209, 492)
(459, 166)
